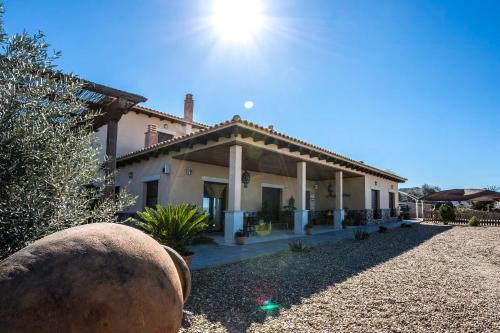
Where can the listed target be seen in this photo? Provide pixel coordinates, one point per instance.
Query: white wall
(385, 186)
(131, 129)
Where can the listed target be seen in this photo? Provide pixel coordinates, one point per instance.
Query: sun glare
(237, 20)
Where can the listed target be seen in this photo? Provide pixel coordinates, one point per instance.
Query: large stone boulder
(93, 278)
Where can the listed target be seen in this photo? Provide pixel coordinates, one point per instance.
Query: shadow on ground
(232, 294)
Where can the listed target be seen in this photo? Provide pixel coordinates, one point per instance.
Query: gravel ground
(427, 278)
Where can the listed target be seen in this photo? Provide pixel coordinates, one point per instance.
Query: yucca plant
(173, 225)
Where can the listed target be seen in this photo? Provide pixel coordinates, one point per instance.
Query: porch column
(338, 215)
(300, 214)
(233, 216)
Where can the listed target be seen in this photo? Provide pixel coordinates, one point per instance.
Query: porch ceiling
(261, 160)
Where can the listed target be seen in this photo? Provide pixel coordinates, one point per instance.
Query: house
(240, 172)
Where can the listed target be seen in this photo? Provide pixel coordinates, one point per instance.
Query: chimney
(188, 107)
(151, 136)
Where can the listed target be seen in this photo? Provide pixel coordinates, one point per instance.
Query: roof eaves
(251, 125)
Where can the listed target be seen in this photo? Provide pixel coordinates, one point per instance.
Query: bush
(361, 235)
(174, 226)
(405, 225)
(297, 246)
(382, 229)
(308, 225)
(474, 222)
(202, 240)
(447, 213)
(239, 233)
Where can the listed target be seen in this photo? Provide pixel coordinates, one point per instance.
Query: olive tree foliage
(50, 174)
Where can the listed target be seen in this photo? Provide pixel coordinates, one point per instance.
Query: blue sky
(410, 86)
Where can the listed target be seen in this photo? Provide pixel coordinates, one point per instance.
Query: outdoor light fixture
(189, 171)
(130, 175)
(245, 178)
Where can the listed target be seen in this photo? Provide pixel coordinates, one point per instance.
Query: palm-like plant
(173, 225)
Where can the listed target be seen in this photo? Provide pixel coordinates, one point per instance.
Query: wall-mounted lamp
(130, 175)
(245, 178)
(189, 171)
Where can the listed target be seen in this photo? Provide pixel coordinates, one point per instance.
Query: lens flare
(269, 307)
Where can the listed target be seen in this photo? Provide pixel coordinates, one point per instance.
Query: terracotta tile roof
(250, 125)
(159, 114)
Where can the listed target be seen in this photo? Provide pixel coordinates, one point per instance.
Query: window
(164, 136)
(151, 194)
(392, 203)
(392, 200)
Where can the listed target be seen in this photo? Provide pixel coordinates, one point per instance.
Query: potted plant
(173, 226)
(239, 237)
(308, 228)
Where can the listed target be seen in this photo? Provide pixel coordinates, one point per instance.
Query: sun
(237, 20)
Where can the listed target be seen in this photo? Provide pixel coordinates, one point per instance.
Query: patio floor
(208, 255)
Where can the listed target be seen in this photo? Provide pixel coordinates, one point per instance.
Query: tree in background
(423, 191)
(50, 174)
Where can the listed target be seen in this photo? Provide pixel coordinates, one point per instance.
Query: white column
(338, 215)
(300, 214)
(233, 216)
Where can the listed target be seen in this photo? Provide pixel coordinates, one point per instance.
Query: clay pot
(93, 278)
(239, 240)
(309, 231)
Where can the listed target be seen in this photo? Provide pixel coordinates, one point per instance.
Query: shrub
(308, 225)
(447, 213)
(382, 229)
(474, 222)
(239, 233)
(202, 240)
(361, 235)
(174, 226)
(405, 225)
(297, 246)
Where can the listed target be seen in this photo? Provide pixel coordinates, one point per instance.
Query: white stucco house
(240, 172)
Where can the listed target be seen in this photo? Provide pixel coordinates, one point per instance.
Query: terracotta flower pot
(240, 240)
(101, 277)
(309, 231)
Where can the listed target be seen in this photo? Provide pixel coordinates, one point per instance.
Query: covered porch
(268, 193)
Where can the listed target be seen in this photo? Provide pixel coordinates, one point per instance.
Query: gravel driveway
(426, 278)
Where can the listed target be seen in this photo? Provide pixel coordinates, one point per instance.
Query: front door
(376, 204)
(271, 203)
(308, 200)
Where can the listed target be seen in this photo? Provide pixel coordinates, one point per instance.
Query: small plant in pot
(239, 237)
(309, 228)
(174, 226)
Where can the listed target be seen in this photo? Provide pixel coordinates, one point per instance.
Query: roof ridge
(164, 114)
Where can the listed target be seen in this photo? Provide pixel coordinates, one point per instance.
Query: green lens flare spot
(269, 306)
